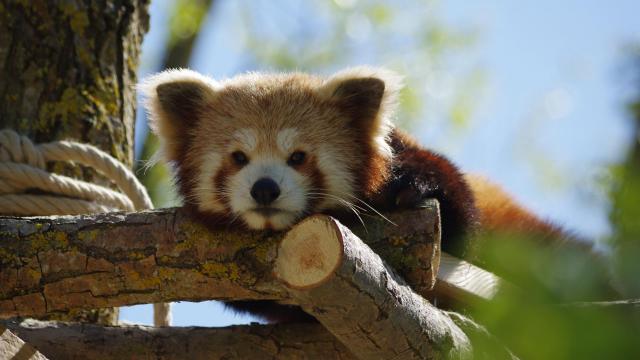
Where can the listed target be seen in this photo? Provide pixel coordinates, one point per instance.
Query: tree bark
(285, 341)
(67, 71)
(54, 264)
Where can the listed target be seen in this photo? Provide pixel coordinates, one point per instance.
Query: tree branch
(286, 341)
(628, 306)
(54, 264)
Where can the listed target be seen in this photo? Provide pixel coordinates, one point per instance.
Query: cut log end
(310, 253)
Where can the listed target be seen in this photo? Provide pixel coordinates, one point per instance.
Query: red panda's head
(272, 148)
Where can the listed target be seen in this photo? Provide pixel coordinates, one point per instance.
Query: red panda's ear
(359, 98)
(368, 97)
(174, 102)
(181, 100)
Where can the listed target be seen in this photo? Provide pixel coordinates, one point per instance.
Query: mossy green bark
(67, 71)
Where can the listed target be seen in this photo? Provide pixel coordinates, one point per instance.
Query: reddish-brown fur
(417, 174)
(499, 212)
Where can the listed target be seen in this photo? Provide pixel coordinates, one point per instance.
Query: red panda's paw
(406, 192)
(408, 196)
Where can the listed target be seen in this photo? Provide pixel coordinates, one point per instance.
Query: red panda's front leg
(418, 174)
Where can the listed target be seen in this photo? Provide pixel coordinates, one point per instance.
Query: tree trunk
(68, 70)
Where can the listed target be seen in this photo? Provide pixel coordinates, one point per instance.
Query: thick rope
(28, 189)
(23, 169)
(34, 205)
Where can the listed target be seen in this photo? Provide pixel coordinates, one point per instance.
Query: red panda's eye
(296, 158)
(240, 158)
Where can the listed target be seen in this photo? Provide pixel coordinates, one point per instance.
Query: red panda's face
(269, 176)
(274, 187)
(271, 149)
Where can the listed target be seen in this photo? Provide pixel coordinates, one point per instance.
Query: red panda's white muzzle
(266, 193)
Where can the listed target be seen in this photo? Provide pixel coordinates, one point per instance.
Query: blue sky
(546, 122)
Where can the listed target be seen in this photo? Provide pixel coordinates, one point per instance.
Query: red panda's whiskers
(151, 162)
(335, 197)
(197, 197)
(349, 205)
(363, 209)
(370, 207)
(340, 200)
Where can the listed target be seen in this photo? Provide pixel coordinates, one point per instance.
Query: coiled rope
(23, 170)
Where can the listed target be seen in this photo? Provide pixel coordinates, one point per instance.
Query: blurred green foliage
(625, 214)
(550, 314)
(406, 36)
(186, 20)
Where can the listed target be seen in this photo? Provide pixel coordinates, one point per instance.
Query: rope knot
(19, 149)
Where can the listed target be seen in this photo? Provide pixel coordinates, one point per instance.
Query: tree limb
(629, 306)
(54, 264)
(83, 341)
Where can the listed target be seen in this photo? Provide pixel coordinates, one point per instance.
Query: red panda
(266, 150)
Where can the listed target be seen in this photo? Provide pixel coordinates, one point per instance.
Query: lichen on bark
(68, 70)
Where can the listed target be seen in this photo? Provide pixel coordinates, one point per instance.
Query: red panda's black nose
(265, 191)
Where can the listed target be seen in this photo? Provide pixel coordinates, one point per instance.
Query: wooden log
(54, 264)
(12, 347)
(464, 283)
(339, 280)
(84, 341)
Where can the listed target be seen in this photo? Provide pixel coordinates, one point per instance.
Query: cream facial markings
(246, 138)
(286, 139)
